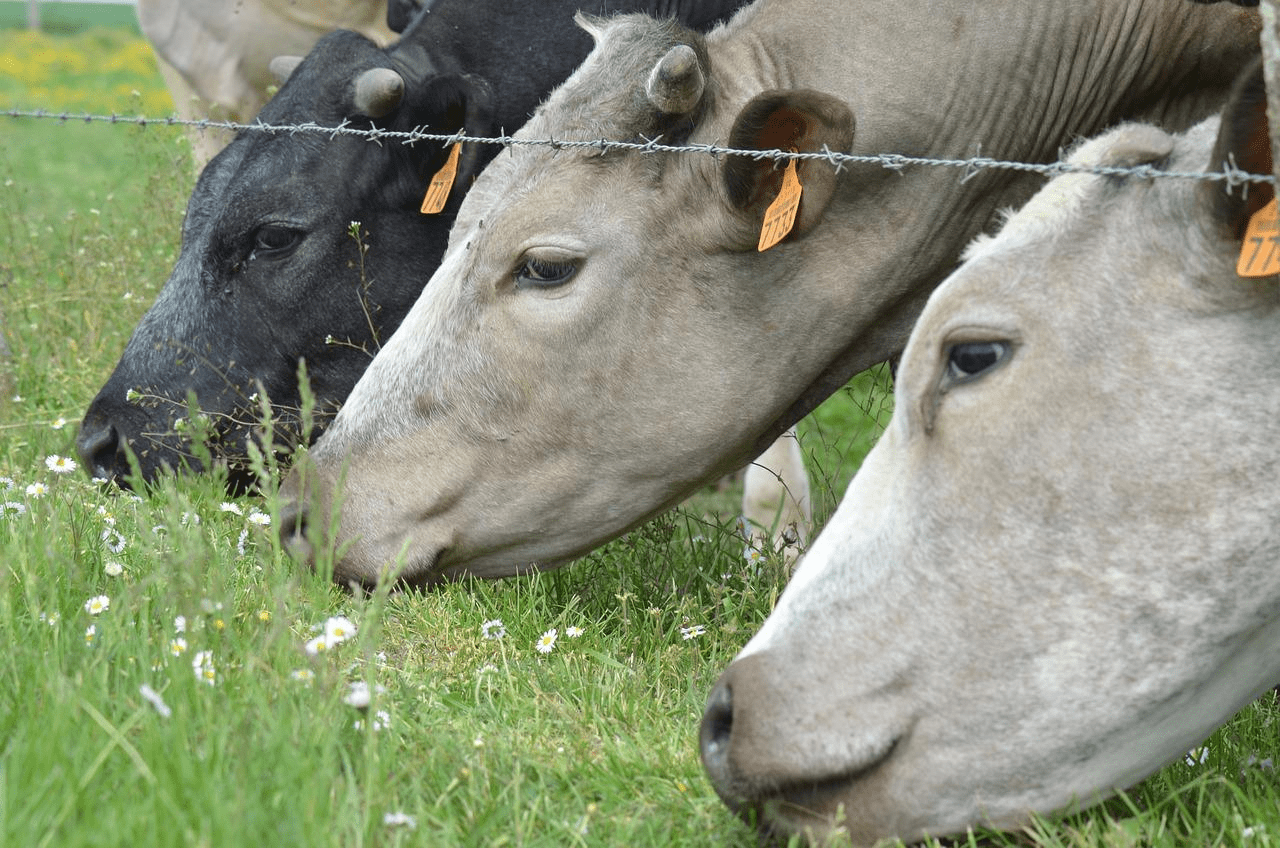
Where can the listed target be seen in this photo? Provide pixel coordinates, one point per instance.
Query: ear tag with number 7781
(780, 217)
(1260, 253)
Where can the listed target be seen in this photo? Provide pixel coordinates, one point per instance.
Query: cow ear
(461, 102)
(1243, 139)
(802, 120)
(282, 67)
(400, 13)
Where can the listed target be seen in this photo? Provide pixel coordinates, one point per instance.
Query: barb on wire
(1230, 174)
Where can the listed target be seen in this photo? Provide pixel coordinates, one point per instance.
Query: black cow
(274, 269)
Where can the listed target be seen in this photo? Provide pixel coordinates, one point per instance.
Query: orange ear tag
(780, 217)
(438, 190)
(1260, 253)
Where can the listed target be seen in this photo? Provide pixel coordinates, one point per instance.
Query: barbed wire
(1230, 174)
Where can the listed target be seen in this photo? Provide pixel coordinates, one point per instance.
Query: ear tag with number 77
(438, 190)
(780, 217)
(1260, 253)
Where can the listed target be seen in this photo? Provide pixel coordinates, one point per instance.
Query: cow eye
(969, 359)
(533, 272)
(274, 238)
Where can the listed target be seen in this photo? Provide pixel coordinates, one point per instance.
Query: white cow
(1059, 569)
(214, 55)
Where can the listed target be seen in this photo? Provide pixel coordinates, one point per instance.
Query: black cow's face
(270, 272)
(295, 249)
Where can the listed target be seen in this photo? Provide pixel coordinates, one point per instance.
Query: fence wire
(1230, 174)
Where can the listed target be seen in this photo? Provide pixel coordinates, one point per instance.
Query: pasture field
(68, 18)
(166, 677)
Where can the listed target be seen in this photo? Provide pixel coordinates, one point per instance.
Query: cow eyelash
(969, 360)
(275, 239)
(533, 272)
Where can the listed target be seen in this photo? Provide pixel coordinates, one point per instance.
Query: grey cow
(603, 336)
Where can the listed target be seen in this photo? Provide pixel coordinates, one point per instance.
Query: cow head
(295, 248)
(584, 305)
(1056, 572)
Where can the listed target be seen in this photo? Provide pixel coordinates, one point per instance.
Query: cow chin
(853, 805)
(406, 566)
(361, 560)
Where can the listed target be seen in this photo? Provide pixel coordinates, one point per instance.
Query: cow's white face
(1057, 569)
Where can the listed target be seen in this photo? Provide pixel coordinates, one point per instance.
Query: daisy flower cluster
(360, 694)
(11, 507)
(202, 662)
(254, 519)
(336, 630)
(494, 629)
(94, 606)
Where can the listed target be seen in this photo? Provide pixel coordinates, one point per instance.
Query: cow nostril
(293, 530)
(717, 729)
(99, 449)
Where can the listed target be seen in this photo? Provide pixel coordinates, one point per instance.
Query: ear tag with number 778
(1260, 253)
(780, 217)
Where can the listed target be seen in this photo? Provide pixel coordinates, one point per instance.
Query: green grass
(488, 742)
(70, 18)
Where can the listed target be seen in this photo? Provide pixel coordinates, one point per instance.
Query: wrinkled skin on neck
(1053, 576)
(512, 424)
(270, 274)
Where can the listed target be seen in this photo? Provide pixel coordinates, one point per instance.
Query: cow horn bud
(675, 84)
(282, 66)
(378, 91)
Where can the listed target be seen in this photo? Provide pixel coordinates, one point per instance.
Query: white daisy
(338, 629)
(400, 820)
(202, 665)
(360, 694)
(113, 539)
(59, 464)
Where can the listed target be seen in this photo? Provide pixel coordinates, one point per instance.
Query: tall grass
(111, 732)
